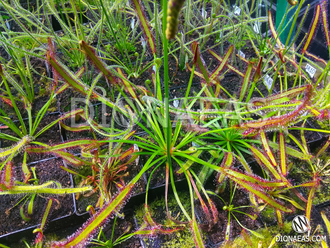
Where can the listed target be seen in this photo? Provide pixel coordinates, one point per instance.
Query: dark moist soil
(47, 170)
(70, 100)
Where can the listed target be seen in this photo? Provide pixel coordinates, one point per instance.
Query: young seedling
(232, 210)
(125, 235)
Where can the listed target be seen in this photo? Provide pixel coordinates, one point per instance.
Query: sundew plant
(219, 135)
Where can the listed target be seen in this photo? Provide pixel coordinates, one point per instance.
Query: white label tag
(136, 149)
(194, 144)
(204, 13)
(176, 102)
(143, 42)
(268, 82)
(311, 70)
(256, 27)
(305, 114)
(237, 10)
(8, 25)
(240, 53)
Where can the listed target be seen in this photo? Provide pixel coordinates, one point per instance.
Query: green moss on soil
(180, 239)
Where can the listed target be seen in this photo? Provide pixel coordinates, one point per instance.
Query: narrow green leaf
(279, 218)
(145, 26)
(25, 169)
(68, 170)
(246, 81)
(273, 30)
(226, 163)
(66, 75)
(62, 146)
(254, 180)
(228, 65)
(40, 189)
(74, 82)
(224, 61)
(254, 189)
(200, 62)
(21, 211)
(312, 29)
(291, 151)
(189, 163)
(30, 205)
(257, 73)
(326, 221)
(323, 148)
(266, 162)
(46, 214)
(310, 203)
(97, 62)
(196, 233)
(264, 142)
(78, 128)
(7, 176)
(293, 202)
(325, 25)
(148, 217)
(128, 87)
(12, 151)
(260, 236)
(282, 154)
(279, 98)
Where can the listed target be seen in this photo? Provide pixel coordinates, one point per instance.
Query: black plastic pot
(57, 222)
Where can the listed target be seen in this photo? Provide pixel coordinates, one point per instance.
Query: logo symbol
(300, 224)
